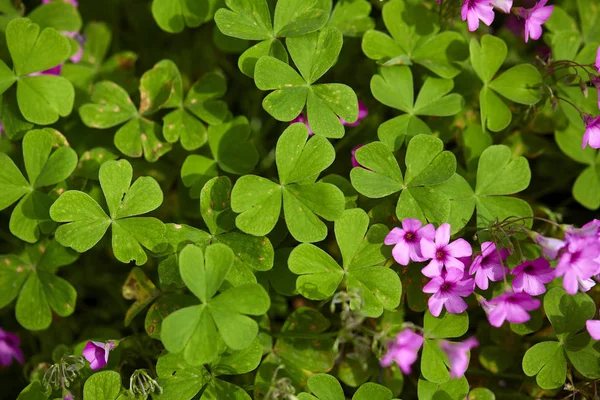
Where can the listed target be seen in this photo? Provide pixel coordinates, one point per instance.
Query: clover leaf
(351, 17)
(547, 361)
(313, 54)
(31, 277)
(430, 190)
(46, 164)
(111, 106)
(86, 222)
(251, 20)
(299, 162)
(434, 362)
(393, 87)
(326, 387)
(201, 104)
(60, 15)
(41, 98)
(415, 37)
(181, 380)
(173, 15)
(518, 84)
(363, 256)
(500, 174)
(105, 385)
(193, 331)
(454, 389)
(586, 189)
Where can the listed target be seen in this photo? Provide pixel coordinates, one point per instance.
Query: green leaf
(381, 175)
(268, 47)
(481, 394)
(62, 16)
(314, 54)
(104, 385)
(488, 57)
(156, 89)
(215, 205)
(454, 389)
(7, 77)
(203, 99)
(586, 189)
(250, 20)
(568, 313)
(230, 145)
(351, 17)
(111, 106)
(372, 391)
(33, 391)
(433, 99)
(179, 379)
(495, 114)
(320, 275)
(393, 132)
(196, 172)
(251, 252)
(499, 174)
(205, 280)
(237, 362)
(519, 84)
(546, 360)
(173, 15)
(43, 98)
(32, 51)
(325, 387)
(446, 325)
(433, 363)
(584, 353)
(426, 163)
(164, 306)
(298, 17)
(326, 104)
(441, 54)
(393, 87)
(12, 182)
(258, 200)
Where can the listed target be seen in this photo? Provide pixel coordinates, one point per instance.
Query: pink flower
(534, 18)
(52, 71)
(593, 328)
(403, 350)
(511, 307)
(578, 263)
(362, 114)
(488, 265)
(9, 348)
(407, 240)
(598, 60)
(531, 276)
(355, 163)
(503, 5)
(97, 353)
(442, 253)
(550, 246)
(458, 355)
(74, 2)
(474, 10)
(447, 289)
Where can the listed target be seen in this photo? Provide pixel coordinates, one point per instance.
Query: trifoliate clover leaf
(193, 331)
(434, 362)
(105, 385)
(32, 277)
(430, 190)
(586, 189)
(91, 161)
(500, 174)
(111, 106)
(196, 171)
(60, 15)
(174, 15)
(415, 37)
(86, 222)
(326, 387)
(41, 98)
(454, 389)
(547, 361)
(519, 83)
(46, 164)
(201, 103)
(351, 17)
(363, 256)
(313, 54)
(251, 20)
(299, 162)
(180, 380)
(252, 253)
(393, 87)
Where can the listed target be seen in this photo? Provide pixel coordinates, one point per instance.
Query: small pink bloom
(531, 276)
(511, 307)
(503, 5)
(362, 114)
(598, 60)
(442, 253)
(403, 350)
(52, 71)
(448, 290)
(97, 353)
(9, 348)
(407, 240)
(474, 10)
(458, 355)
(487, 266)
(578, 264)
(534, 18)
(550, 246)
(355, 163)
(593, 328)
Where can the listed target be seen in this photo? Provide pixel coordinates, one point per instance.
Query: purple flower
(598, 60)
(362, 114)
(97, 353)
(593, 328)
(9, 348)
(447, 289)
(474, 10)
(458, 355)
(52, 71)
(511, 307)
(487, 266)
(531, 276)
(503, 5)
(578, 263)
(442, 253)
(407, 240)
(534, 18)
(355, 163)
(403, 350)
(550, 246)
